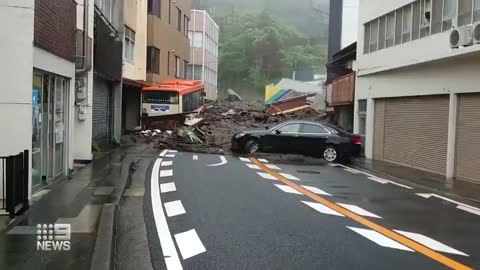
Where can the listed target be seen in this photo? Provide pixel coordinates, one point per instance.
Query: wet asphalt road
(230, 217)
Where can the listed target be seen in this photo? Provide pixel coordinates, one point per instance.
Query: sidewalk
(77, 200)
(465, 190)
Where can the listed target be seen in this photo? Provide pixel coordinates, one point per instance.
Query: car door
(313, 138)
(282, 139)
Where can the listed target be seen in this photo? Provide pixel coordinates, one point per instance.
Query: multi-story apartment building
(168, 46)
(134, 61)
(417, 98)
(204, 34)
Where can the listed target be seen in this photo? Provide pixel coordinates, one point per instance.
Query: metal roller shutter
(416, 132)
(468, 143)
(102, 111)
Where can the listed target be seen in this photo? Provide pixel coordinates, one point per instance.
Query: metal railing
(14, 183)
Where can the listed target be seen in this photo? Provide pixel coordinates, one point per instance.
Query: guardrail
(14, 183)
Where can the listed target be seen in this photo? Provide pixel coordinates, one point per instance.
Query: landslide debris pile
(221, 119)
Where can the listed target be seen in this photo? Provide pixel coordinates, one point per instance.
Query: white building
(204, 33)
(417, 99)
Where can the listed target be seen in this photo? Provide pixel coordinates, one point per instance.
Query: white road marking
(352, 171)
(170, 155)
(273, 167)
(166, 242)
(189, 244)
(252, 166)
(358, 210)
(322, 209)
(430, 243)
(461, 206)
(400, 185)
(164, 152)
(378, 180)
(167, 187)
(172, 151)
(289, 176)
(174, 208)
(267, 176)
(471, 210)
(263, 160)
(288, 189)
(334, 164)
(317, 191)
(245, 159)
(167, 163)
(166, 173)
(223, 161)
(380, 239)
(195, 157)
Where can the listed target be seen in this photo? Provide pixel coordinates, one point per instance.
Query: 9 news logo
(54, 237)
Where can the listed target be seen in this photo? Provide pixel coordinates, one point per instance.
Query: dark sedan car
(300, 137)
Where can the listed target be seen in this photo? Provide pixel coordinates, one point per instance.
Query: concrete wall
(135, 17)
(165, 36)
(82, 141)
(16, 46)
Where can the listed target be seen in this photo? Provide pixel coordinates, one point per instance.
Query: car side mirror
(278, 131)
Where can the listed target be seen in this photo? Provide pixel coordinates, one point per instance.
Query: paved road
(213, 212)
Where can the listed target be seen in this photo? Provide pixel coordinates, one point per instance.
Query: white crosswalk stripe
(189, 244)
(252, 166)
(379, 239)
(273, 167)
(263, 160)
(167, 187)
(289, 176)
(267, 176)
(317, 191)
(288, 189)
(174, 208)
(166, 173)
(167, 163)
(357, 210)
(245, 159)
(430, 243)
(322, 209)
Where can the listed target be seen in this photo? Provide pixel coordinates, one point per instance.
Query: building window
(398, 26)
(426, 17)
(449, 13)
(366, 42)
(476, 11)
(185, 23)
(390, 33)
(362, 117)
(178, 71)
(153, 60)
(179, 20)
(168, 63)
(106, 7)
(373, 36)
(196, 39)
(465, 12)
(381, 33)
(185, 65)
(416, 21)
(155, 7)
(407, 24)
(129, 41)
(437, 7)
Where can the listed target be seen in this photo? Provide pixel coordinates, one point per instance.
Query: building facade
(134, 61)
(417, 98)
(168, 46)
(204, 35)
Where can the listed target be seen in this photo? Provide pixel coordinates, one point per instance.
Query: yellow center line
(367, 223)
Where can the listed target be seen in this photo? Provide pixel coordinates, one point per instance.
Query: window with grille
(129, 41)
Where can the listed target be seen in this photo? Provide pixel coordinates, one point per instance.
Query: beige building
(417, 96)
(134, 61)
(168, 46)
(204, 33)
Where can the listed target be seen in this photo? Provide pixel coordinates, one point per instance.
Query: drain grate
(308, 172)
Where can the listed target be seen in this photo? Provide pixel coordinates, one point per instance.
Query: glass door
(37, 102)
(61, 88)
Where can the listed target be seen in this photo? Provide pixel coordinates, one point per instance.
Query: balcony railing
(343, 90)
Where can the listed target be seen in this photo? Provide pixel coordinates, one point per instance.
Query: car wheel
(330, 154)
(252, 147)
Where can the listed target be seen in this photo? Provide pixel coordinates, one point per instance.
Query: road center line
(367, 223)
(166, 241)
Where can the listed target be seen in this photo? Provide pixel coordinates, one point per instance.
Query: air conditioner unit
(476, 33)
(461, 36)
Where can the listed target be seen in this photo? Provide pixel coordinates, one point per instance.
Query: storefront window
(37, 130)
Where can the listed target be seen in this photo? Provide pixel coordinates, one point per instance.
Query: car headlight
(239, 135)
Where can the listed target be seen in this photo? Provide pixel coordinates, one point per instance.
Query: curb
(456, 196)
(102, 258)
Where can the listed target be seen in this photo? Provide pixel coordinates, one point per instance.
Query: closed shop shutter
(468, 143)
(415, 132)
(102, 111)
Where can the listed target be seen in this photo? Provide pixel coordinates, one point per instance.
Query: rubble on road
(220, 120)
